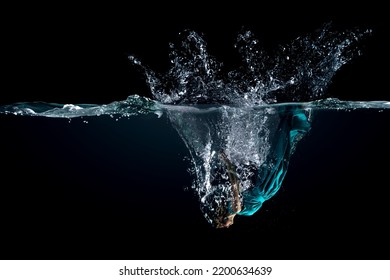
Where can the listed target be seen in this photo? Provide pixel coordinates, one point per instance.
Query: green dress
(294, 124)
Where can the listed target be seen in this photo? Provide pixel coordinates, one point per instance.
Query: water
(250, 136)
(298, 71)
(160, 159)
(128, 180)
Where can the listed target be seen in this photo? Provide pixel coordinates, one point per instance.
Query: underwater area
(145, 177)
(93, 190)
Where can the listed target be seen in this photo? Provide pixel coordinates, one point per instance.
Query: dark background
(78, 53)
(116, 189)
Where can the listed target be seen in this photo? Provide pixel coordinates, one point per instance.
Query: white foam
(71, 107)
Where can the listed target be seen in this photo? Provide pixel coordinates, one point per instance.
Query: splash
(295, 72)
(240, 127)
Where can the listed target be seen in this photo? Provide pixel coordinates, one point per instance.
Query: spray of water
(295, 72)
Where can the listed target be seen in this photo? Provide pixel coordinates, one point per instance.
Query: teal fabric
(293, 125)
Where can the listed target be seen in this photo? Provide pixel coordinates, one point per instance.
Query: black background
(78, 53)
(99, 191)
